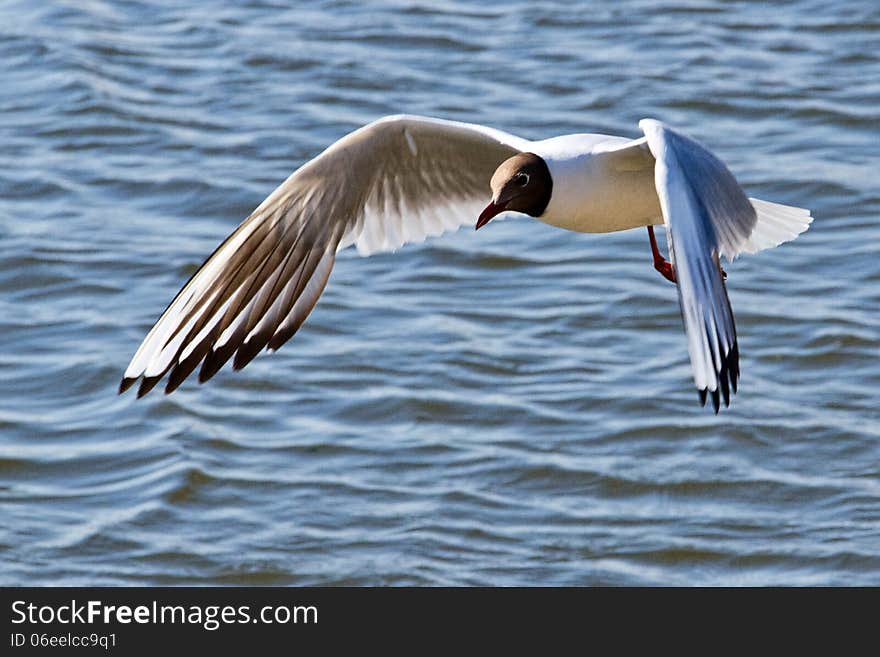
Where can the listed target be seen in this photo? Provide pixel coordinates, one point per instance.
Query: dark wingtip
(147, 384)
(184, 368)
(246, 353)
(276, 341)
(126, 383)
(733, 365)
(214, 360)
(729, 374)
(716, 398)
(725, 389)
(175, 379)
(728, 378)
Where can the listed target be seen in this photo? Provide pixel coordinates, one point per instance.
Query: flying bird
(403, 178)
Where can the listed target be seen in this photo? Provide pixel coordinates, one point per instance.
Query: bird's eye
(521, 179)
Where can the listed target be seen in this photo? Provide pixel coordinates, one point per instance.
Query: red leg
(661, 264)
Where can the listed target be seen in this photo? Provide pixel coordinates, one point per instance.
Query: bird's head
(521, 183)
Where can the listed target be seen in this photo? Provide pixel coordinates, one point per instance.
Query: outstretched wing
(397, 180)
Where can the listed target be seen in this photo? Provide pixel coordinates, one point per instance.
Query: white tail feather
(777, 223)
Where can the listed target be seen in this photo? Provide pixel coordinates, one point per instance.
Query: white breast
(590, 197)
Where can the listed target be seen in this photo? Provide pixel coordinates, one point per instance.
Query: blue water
(513, 406)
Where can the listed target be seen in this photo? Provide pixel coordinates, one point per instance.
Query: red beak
(491, 211)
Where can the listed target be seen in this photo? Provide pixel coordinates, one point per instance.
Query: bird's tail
(776, 224)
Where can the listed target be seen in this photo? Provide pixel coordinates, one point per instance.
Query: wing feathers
(256, 341)
(394, 181)
(706, 213)
(302, 306)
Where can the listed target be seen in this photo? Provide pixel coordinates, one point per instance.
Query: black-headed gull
(403, 178)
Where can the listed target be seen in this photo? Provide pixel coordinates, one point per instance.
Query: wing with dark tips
(394, 181)
(707, 215)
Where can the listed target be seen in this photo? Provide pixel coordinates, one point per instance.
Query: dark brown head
(523, 184)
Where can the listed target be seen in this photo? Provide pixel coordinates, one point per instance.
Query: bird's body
(590, 195)
(403, 178)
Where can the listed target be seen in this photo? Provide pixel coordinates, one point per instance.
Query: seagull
(404, 178)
